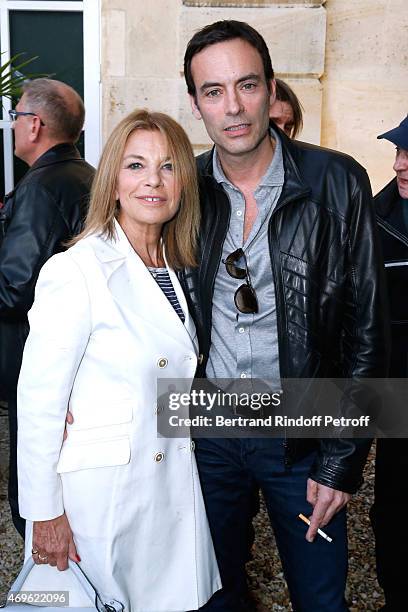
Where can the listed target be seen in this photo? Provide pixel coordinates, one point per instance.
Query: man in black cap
(391, 489)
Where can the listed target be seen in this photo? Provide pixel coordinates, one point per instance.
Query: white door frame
(92, 72)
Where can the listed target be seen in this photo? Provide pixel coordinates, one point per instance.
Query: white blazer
(101, 333)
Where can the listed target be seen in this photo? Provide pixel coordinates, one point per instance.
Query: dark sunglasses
(13, 114)
(245, 296)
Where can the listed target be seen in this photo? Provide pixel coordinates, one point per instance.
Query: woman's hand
(53, 543)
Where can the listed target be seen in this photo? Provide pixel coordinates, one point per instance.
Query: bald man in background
(46, 209)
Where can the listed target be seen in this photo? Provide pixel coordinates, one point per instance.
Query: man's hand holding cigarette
(326, 503)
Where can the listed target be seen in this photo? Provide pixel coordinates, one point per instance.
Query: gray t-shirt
(246, 345)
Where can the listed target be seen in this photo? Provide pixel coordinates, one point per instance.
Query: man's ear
(194, 107)
(272, 90)
(35, 128)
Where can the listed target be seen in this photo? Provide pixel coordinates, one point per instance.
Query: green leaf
(11, 79)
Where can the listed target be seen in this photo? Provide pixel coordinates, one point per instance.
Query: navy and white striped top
(162, 278)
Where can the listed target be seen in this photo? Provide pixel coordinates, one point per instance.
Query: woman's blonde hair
(180, 233)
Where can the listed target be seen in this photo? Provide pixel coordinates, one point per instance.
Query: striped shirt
(162, 278)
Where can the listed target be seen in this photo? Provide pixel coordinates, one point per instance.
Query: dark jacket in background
(391, 467)
(394, 238)
(46, 208)
(329, 284)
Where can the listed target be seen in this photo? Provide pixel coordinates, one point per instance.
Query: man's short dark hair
(222, 31)
(63, 115)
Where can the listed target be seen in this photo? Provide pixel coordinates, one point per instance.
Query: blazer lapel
(134, 289)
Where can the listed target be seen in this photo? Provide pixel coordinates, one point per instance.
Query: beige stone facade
(346, 59)
(365, 84)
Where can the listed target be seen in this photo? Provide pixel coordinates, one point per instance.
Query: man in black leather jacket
(45, 209)
(324, 304)
(391, 469)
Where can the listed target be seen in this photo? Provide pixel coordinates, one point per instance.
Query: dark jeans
(387, 518)
(19, 522)
(229, 469)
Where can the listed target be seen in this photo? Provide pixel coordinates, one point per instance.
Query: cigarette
(319, 531)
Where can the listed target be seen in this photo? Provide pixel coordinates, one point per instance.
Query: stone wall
(365, 84)
(346, 60)
(143, 46)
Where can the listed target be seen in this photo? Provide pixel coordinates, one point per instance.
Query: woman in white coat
(109, 319)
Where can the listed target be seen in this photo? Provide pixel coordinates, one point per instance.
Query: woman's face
(146, 186)
(282, 114)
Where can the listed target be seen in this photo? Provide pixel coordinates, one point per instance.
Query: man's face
(22, 130)
(282, 114)
(401, 168)
(232, 96)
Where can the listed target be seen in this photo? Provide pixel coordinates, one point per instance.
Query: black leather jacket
(46, 208)
(394, 238)
(329, 284)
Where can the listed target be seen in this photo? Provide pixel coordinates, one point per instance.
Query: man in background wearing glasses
(290, 285)
(45, 209)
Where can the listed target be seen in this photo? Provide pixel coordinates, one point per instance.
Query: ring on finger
(42, 558)
(34, 552)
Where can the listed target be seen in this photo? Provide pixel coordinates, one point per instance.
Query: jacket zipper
(279, 297)
(3, 220)
(390, 230)
(280, 314)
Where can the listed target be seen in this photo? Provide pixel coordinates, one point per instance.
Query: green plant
(11, 79)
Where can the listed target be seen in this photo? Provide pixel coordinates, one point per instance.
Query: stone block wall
(346, 60)
(143, 45)
(365, 83)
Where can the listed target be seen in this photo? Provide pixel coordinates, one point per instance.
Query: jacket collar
(119, 260)
(58, 153)
(389, 211)
(386, 199)
(294, 186)
(115, 249)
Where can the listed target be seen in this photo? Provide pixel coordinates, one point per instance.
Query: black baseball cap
(399, 135)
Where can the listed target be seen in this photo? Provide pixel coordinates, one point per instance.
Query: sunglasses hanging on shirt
(245, 296)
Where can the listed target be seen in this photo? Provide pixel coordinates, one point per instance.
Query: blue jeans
(229, 470)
